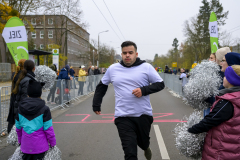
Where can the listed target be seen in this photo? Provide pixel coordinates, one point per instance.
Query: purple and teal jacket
(34, 126)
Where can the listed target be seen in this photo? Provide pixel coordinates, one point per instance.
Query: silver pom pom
(189, 145)
(203, 83)
(13, 137)
(53, 154)
(17, 154)
(46, 75)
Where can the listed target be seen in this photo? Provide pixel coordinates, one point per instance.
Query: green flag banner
(213, 30)
(15, 36)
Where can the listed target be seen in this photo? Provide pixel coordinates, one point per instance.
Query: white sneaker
(53, 103)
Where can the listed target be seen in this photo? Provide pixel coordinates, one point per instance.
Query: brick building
(48, 31)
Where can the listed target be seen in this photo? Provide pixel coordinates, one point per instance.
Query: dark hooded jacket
(23, 85)
(11, 114)
(34, 126)
(101, 89)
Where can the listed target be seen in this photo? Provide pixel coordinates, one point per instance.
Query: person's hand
(137, 92)
(97, 112)
(71, 78)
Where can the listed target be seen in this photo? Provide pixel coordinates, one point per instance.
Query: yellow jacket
(81, 75)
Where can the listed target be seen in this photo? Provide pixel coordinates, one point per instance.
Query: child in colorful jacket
(34, 124)
(223, 122)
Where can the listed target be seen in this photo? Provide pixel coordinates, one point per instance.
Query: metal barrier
(173, 83)
(5, 72)
(60, 95)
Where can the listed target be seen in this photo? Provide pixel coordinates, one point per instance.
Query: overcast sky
(151, 24)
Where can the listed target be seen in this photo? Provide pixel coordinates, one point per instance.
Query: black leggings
(33, 156)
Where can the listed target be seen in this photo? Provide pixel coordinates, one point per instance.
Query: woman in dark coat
(20, 89)
(11, 114)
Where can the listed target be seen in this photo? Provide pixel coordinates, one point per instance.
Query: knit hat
(233, 58)
(222, 52)
(232, 76)
(35, 88)
(53, 67)
(67, 67)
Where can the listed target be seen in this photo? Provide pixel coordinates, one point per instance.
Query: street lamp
(98, 47)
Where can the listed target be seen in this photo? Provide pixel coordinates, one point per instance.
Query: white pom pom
(189, 145)
(46, 75)
(203, 83)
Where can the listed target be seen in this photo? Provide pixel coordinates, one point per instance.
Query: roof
(38, 52)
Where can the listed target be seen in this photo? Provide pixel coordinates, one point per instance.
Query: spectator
(22, 83)
(72, 82)
(212, 57)
(167, 70)
(12, 109)
(96, 71)
(34, 124)
(183, 77)
(222, 123)
(220, 53)
(174, 71)
(81, 79)
(211, 99)
(53, 89)
(230, 59)
(90, 78)
(63, 75)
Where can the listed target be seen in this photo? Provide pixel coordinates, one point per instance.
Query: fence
(173, 83)
(5, 72)
(62, 93)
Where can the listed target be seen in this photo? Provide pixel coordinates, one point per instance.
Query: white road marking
(161, 144)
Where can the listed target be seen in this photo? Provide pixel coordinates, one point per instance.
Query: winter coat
(222, 142)
(63, 75)
(23, 85)
(91, 76)
(71, 72)
(34, 126)
(97, 71)
(11, 114)
(82, 75)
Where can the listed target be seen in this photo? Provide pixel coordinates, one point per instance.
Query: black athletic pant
(133, 132)
(33, 156)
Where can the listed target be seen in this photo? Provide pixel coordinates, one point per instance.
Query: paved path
(82, 135)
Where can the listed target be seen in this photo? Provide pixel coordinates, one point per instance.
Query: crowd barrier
(60, 95)
(173, 83)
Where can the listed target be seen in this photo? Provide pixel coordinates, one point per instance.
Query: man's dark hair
(129, 43)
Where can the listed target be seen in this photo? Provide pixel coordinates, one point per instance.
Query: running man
(133, 81)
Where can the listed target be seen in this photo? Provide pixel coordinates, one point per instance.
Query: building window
(34, 35)
(50, 21)
(33, 21)
(50, 34)
(50, 47)
(34, 46)
(41, 34)
(41, 46)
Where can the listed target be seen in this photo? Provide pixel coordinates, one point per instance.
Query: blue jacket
(72, 72)
(62, 75)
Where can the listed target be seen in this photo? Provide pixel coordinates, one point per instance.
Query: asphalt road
(82, 135)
